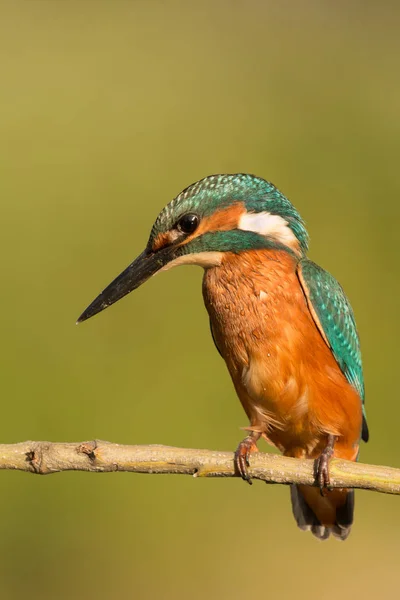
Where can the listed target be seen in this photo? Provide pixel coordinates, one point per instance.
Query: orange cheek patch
(222, 220)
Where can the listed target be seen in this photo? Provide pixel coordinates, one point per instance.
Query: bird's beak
(142, 268)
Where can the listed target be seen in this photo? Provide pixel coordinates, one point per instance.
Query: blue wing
(334, 318)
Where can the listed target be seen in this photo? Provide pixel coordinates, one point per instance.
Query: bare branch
(98, 456)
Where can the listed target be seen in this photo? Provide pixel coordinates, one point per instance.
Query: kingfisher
(282, 324)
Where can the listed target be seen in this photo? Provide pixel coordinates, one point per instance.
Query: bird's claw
(242, 457)
(322, 467)
(323, 477)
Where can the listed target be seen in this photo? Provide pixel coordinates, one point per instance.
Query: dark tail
(323, 515)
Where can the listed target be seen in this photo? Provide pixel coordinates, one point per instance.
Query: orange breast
(285, 375)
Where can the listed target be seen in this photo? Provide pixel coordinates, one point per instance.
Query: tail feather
(345, 516)
(306, 516)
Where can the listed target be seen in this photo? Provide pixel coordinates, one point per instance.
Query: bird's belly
(296, 397)
(280, 404)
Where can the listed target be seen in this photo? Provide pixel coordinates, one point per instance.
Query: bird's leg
(322, 465)
(242, 454)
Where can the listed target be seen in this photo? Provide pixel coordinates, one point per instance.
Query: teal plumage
(336, 318)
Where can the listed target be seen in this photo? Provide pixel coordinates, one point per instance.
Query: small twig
(99, 456)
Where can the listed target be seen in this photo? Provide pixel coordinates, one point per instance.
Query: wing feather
(334, 317)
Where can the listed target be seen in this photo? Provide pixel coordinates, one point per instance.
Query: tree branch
(98, 456)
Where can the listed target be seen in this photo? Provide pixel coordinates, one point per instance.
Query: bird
(282, 324)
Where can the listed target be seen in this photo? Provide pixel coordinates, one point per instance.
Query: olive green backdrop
(107, 110)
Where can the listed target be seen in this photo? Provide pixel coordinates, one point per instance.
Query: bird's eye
(188, 223)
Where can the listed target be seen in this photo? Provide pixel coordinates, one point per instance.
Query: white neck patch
(264, 223)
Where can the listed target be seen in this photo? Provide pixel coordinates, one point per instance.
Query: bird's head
(216, 215)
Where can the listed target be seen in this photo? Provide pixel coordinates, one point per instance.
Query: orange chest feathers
(284, 373)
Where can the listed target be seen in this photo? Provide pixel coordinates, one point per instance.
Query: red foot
(242, 457)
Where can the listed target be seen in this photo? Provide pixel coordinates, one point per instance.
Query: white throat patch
(202, 259)
(265, 223)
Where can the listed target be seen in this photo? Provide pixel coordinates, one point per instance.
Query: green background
(107, 110)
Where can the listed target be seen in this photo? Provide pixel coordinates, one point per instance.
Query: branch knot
(88, 448)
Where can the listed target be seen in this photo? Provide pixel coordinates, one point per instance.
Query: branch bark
(99, 456)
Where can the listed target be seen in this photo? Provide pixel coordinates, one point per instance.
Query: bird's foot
(242, 455)
(322, 465)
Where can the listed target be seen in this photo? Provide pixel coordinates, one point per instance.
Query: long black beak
(142, 268)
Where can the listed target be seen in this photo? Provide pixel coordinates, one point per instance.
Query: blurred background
(107, 110)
